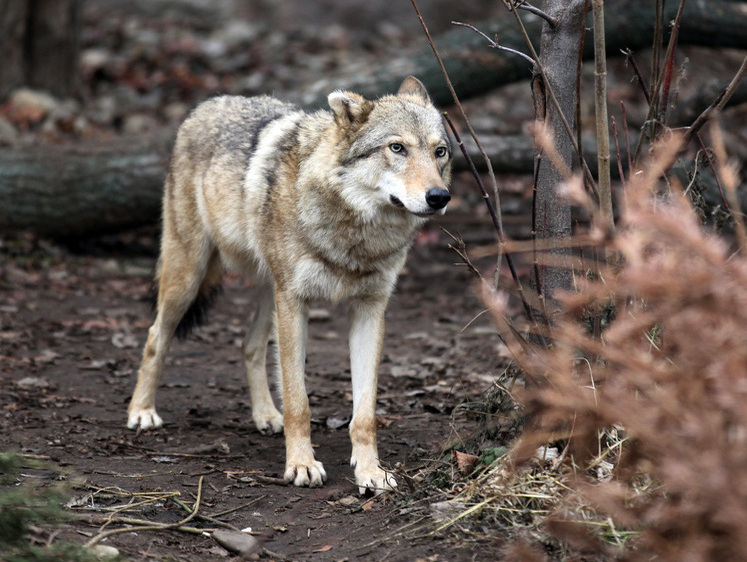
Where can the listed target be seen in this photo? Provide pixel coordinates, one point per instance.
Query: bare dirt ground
(71, 331)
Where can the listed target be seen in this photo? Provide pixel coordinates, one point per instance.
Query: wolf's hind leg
(266, 417)
(182, 277)
(366, 338)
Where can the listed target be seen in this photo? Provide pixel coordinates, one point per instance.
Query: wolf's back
(228, 125)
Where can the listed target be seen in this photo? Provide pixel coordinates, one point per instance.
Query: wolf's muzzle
(437, 198)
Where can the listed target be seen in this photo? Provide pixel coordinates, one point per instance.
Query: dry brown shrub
(670, 373)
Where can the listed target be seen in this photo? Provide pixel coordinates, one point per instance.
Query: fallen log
(83, 190)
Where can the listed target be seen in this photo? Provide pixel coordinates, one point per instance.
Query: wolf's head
(395, 148)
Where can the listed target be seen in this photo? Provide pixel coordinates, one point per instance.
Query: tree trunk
(39, 40)
(551, 216)
(13, 18)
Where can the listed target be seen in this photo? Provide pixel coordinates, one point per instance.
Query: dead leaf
(123, 340)
(46, 356)
(326, 548)
(347, 501)
(466, 462)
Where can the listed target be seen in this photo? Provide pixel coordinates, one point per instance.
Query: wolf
(313, 205)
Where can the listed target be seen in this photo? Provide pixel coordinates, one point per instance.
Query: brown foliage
(670, 372)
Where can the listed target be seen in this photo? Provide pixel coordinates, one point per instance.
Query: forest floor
(72, 328)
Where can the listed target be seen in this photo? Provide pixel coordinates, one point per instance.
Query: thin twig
(461, 250)
(524, 5)
(656, 54)
(105, 520)
(627, 138)
(152, 526)
(617, 150)
(667, 83)
(729, 177)
(496, 223)
(718, 104)
(694, 177)
(712, 165)
(209, 518)
(243, 506)
(656, 90)
(629, 58)
(494, 44)
(458, 103)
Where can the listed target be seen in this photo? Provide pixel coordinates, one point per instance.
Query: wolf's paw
(312, 475)
(376, 480)
(143, 418)
(268, 422)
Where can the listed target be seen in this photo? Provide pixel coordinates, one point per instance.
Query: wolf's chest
(315, 278)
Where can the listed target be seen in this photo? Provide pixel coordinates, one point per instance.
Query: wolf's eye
(441, 152)
(397, 147)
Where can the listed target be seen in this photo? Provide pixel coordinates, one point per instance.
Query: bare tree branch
(718, 103)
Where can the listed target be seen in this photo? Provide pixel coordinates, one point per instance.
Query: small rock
(403, 371)
(92, 60)
(8, 134)
(329, 335)
(319, 315)
(104, 552)
(545, 453)
(240, 543)
(337, 423)
(238, 32)
(139, 123)
(125, 341)
(164, 459)
(30, 106)
(176, 112)
(33, 382)
(437, 364)
(448, 510)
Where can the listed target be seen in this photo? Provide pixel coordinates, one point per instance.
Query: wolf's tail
(197, 313)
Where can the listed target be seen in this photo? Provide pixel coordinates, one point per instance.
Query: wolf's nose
(437, 198)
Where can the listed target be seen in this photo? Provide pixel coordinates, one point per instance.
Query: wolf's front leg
(366, 338)
(300, 466)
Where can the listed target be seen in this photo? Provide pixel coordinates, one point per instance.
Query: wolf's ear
(349, 108)
(411, 86)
